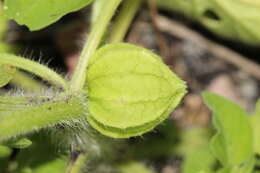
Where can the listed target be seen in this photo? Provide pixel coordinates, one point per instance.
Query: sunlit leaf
(37, 14)
(233, 143)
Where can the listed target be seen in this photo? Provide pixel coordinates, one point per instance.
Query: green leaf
(192, 139)
(3, 21)
(255, 120)
(222, 17)
(133, 166)
(41, 157)
(233, 143)
(198, 160)
(19, 144)
(6, 74)
(246, 167)
(130, 90)
(194, 146)
(4, 151)
(37, 14)
(4, 47)
(54, 165)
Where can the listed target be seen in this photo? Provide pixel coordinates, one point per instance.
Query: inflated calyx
(130, 90)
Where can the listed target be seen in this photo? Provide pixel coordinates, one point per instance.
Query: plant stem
(22, 120)
(27, 83)
(40, 70)
(3, 21)
(96, 8)
(123, 20)
(96, 34)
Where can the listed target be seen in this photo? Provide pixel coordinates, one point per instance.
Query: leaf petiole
(40, 70)
(95, 36)
(123, 20)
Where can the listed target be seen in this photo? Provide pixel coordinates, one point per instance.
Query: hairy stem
(27, 118)
(40, 70)
(26, 82)
(123, 20)
(93, 41)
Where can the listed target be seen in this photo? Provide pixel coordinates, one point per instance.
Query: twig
(162, 43)
(182, 32)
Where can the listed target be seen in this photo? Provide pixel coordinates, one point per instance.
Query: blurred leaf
(162, 142)
(6, 74)
(19, 144)
(200, 160)
(133, 167)
(224, 170)
(4, 47)
(168, 140)
(194, 146)
(41, 157)
(37, 14)
(3, 21)
(4, 151)
(192, 139)
(255, 120)
(233, 143)
(222, 17)
(246, 167)
(55, 166)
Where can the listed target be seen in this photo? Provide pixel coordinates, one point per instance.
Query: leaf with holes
(37, 14)
(130, 90)
(222, 17)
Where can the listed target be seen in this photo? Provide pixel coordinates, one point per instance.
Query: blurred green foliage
(233, 143)
(232, 19)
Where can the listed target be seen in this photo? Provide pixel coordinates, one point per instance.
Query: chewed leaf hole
(210, 14)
